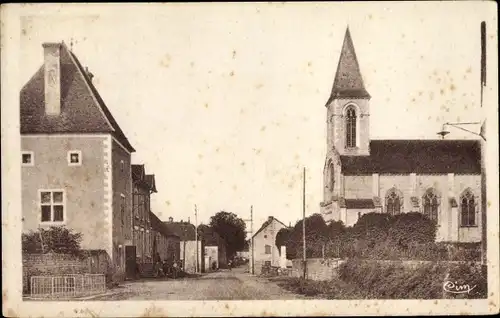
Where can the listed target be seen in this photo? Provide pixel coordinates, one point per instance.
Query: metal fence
(67, 286)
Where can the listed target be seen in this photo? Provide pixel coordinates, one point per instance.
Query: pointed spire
(348, 80)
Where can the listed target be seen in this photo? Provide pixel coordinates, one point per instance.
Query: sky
(225, 103)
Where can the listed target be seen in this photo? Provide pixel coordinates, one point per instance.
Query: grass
(361, 280)
(334, 289)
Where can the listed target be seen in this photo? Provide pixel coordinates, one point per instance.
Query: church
(440, 178)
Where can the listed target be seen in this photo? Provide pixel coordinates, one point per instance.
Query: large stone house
(264, 251)
(441, 178)
(76, 160)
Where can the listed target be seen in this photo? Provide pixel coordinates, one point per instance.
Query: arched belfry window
(430, 202)
(350, 127)
(467, 208)
(393, 201)
(331, 176)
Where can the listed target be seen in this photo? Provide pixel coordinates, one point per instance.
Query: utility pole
(251, 230)
(196, 235)
(304, 225)
(251, 263)
(484, 205)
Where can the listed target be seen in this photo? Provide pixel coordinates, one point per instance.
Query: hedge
(395, 281)
(375, 236)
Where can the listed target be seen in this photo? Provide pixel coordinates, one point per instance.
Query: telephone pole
(251, 263)
(304, 225)
(196, 235)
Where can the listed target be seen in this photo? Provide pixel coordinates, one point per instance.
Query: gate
(130, 262)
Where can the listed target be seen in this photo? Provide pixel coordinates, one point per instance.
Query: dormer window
(27, 158)
(74, 158)
(350, 127)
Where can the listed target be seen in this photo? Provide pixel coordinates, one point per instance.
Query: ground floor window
(467, 208)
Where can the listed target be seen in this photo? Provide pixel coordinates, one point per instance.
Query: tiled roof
(416, 156)
(82, 108)
(209, 236)
(359, 204)
(159, 226)
(266, 224)
(348, 81)
(185, 230)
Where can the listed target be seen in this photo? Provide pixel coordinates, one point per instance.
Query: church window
(430, 202)
(393, 202)
(467, 208)
(350, 128)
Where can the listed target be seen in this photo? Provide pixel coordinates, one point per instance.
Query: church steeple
(348, 81)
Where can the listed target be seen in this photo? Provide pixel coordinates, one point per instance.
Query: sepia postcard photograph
(250, 159)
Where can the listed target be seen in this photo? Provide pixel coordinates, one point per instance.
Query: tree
(316, 237)
(231, 228)
(283, 236)
(56, 239)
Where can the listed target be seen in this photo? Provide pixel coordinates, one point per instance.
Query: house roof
(82, 108)
(159, 226)
(416, 156)
(185, 230)
(348, 82)
(150, 180)
(266, 224)
(210, 236)
(139, 176)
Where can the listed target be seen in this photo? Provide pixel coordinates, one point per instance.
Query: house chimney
(90, 75)
(269, 218)
(189, 219)
(170, 219)
(52, 66)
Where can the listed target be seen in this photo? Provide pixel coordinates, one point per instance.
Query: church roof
(348, 81)
(416, 156)
(82, 108)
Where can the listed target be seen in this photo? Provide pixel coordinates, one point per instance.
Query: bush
(411, 228)
(372, 226)
(375, 236)
(56, 239)
(390, 280)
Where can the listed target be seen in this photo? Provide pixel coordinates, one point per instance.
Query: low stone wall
(52, 264)
(316, 268)
(327, 269)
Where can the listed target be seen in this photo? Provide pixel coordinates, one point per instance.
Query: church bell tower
(347, 121)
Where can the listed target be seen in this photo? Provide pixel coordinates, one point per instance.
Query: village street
(221, 285)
